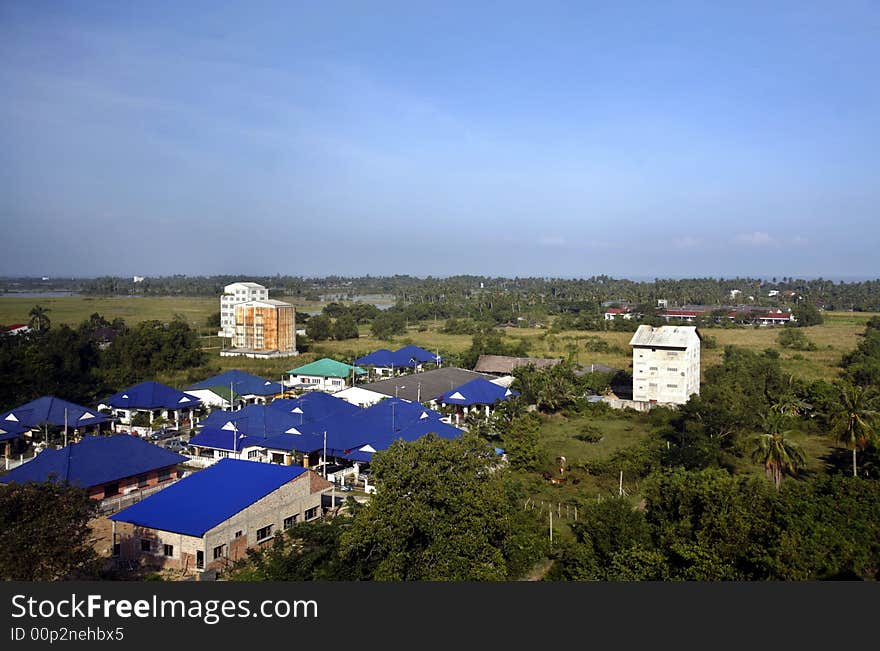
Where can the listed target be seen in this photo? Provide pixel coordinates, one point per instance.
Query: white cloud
(552, 240)
(758, 238)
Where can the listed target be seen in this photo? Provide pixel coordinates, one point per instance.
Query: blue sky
(499, 138)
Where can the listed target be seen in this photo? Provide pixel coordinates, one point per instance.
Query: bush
(794, 339)
(589, 434)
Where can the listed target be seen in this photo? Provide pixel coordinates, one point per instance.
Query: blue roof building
(210, 518)
(476, 392)
(104, 465)
(251, 387)
(52, 411)
(406, 357)
(315, 406)
(151, 395)
(155, 399)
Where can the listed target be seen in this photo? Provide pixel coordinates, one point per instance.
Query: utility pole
(65, 427)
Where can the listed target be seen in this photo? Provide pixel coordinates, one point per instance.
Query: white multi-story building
(666, 364)
(233, 295)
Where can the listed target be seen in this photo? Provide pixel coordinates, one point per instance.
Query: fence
(200, 462)
(114, 504)
(10, 463)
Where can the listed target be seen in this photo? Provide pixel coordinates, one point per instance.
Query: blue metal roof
(198, 503)
(376, 423)
(49, 409)
(259, 420)
(478, 391)
(151, 395)
(405, 357)
(95, 460)
(382, 357)
(315, 406)
(224, 439)
(420, 355)
(11, 430)
(219, 439)
(242, 383)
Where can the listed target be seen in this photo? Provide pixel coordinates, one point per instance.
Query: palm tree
(39, 321)
(775, 451)
(853, 419)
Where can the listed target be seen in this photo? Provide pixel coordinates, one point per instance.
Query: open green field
(838, 335)
(72, 310)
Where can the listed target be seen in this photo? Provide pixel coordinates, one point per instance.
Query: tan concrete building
(209, 519)
(666, 364)
(265, 329)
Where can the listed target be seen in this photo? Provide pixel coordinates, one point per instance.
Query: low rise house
(15, 329)
(613, 312)
(154, 399)
(504, 364)
(775, 317)
(688, 316)
(324, 375)
(478, 395)
(251, 389)
(387, 362)
(105, 466)
(211, 518)
(417, 387)
(38, 416)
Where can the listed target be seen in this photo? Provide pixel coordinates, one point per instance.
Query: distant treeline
(501, 297)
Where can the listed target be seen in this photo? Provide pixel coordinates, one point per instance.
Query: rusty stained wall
(265, 327)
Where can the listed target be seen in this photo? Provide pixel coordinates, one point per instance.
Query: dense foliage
(710, 526)
(44, 533)
(69, 363)
(444, 510)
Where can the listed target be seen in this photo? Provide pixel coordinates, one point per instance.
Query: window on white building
(264, 533)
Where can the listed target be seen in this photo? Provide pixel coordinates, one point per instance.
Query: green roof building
(324, 375)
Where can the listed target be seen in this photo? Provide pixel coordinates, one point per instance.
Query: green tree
(807, 315)
(794, 339)
(44, 532)
(308, 551)
(319, 328)
(853, 418)
(388, 324)
(443, 510)
(345, 328)
(775, 450)
(39, 319)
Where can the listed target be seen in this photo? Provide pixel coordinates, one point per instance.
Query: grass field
(72, 310)
(838, 335)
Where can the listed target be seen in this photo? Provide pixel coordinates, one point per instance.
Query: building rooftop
(95, 460)
(49, 409)
(327, 367)
(242, 383)
(151, 395)
(424, 386)
(665, 336)
(478, 391)
(198, 503)
(504, 364)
